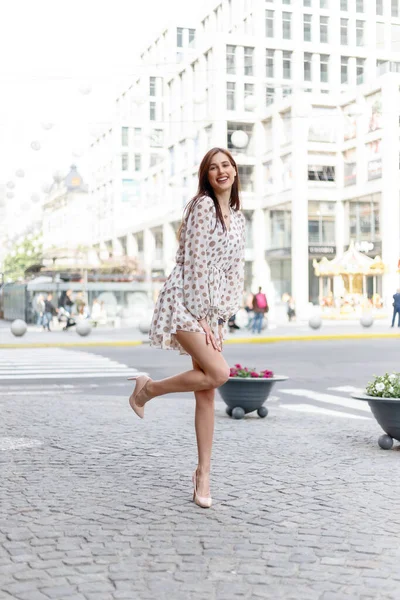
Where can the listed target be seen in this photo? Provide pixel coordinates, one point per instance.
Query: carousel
(350, 283)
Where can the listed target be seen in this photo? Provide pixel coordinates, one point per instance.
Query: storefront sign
(278, 253)
(374, 160)
(321, 250)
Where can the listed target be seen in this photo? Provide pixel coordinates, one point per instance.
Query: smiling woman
(202, 292)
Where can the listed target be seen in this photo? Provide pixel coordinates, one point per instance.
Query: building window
(269, 23)
(125, 136)
(287, 25)
(360, 68)
(231, 60)
(307, 66)
(230, 95)
(286, 91)
(281, 228)
(324, 3)
(343, 5)
(269, 95)
(248, 60)
(307, 3)
(286, 1)
(360, 33)
(124, 161)
(344, 32)
(364, 219)
(156, 138)
(324, 68)
(307, 21)
(179, 37)
(321, 222)
(323, 29)
(248, 91)
(231, 127)
(246, 178)
(321, 173)
(379, 7)
(360, 6)
(152, 111)
(138, 162)
(152, 86)
(287, 64)
(270, 63)
(192, 37)
(395, 8)
(344, 69)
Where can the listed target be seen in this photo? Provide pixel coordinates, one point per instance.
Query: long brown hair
(205, 189)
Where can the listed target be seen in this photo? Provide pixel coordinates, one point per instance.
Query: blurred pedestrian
(39, 310)
(202, 292)
(49, 311)
(396, 308)
(260, 308)
(291, 309)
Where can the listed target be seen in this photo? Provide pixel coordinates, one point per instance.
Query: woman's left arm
(233, 290)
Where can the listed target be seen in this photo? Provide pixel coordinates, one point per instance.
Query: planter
(387, 412)
(243, 395)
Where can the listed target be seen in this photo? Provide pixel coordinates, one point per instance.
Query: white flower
(379, 387)
(392, 378)
(391, 389)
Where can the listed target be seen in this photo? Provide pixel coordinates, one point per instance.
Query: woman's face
(221, 173)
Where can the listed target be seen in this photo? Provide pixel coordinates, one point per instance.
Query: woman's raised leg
(204, 425)
(213, 372)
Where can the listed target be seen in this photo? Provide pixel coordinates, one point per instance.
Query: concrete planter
(243, 395)
(387, 412)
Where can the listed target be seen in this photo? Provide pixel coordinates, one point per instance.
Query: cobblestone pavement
(96, 505)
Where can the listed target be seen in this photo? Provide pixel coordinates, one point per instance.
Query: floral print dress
(206, 282)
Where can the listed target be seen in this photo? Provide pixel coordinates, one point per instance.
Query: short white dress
(206, 282)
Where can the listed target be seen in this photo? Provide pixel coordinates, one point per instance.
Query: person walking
(260, 308)
(200, 295)
(396, 308)
(49, 311)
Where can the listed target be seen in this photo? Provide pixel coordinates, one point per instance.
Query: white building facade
(279, 71)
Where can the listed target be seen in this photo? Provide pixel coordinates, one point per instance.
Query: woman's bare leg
(213, 372)
(204, 424)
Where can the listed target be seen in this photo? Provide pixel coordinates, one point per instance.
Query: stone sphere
(315, 322)
(367, 320)
(238, 412)
(239, 138)
(385, 442)
(18, 327)
(144, 326)
(83, 328)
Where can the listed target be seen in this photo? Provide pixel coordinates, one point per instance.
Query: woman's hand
(210, 338)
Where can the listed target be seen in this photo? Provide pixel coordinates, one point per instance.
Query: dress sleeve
(232, 293)
(195, 268)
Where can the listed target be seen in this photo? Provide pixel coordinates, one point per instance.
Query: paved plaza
(96, 504)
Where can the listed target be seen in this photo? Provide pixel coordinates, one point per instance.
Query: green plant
(245, 372)
(385, 386)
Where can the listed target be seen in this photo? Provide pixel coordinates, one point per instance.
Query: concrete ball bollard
(83, 328)
(367, 320)
(315, 322)
(144, 326)
(18, 327)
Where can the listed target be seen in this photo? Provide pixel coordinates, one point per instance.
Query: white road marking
(10, 443)
(347, 389)
(328, 399)
(307, 408)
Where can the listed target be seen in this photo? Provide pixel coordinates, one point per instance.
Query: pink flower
(232, 373)
(267, 374)
(254, 374)
(238, 366)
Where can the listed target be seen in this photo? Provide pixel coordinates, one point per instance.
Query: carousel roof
(351, 262)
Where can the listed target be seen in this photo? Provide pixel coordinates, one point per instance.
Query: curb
(259, 340)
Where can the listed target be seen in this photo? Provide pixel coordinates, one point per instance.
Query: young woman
(202, 292)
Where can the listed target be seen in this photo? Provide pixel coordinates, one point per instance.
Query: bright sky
(49, 50)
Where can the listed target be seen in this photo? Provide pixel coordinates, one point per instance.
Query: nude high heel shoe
(203, 501)
(141, 382)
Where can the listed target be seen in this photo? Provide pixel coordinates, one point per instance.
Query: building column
(390, 209)
(300, 124)
(149, 248)
(117, 247)
(131, 245)
(169, 247)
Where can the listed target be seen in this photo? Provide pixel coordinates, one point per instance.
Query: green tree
(22, 256)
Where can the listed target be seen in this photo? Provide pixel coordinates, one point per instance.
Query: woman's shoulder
(204, 204)
(240, 216)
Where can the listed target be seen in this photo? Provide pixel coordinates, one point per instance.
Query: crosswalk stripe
(307, 408)
(58, 363)
(328, 399)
